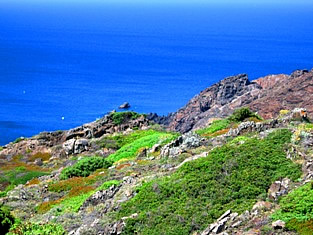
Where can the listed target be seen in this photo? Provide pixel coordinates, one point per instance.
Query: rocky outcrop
(221, 99)
(220, 225)
(182, 144)
(101, 196)
(212, 102)
(75, 146)
(106, 125)
(290, 92)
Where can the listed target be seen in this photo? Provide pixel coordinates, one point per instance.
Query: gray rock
(181, 144)
(220, 225)
(101, 196)
(80, 146)
(68, 146)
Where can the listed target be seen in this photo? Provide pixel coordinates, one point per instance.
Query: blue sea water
(82, 61)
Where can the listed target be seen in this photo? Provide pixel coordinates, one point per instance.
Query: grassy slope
(231, 177)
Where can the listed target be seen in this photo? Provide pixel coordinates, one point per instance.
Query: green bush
(231, 177)
(6, 220)
(121, 117)
(296, 209)
(85, 167)
(240, 115)
(37, 229)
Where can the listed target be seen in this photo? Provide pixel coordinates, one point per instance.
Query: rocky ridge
(221, 99)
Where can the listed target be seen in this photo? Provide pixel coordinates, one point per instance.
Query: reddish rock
(267, 96)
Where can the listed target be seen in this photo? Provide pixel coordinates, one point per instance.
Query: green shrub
(296, 209)
(85, 167)
(231, 177)
(121, 117)
(241, 114)
(1, 148)
(37, 229)
(6, 220)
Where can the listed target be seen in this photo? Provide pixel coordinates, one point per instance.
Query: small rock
(278, 188)
(279, 224)
(38, 162)
(125, 105)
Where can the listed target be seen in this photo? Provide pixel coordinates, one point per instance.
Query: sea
(65, 64)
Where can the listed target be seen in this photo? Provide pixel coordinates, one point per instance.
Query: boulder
(68, 146)
(279, 224)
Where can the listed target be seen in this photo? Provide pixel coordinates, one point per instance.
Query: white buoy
(62, 118)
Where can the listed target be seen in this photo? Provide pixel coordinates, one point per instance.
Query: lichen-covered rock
(181, 144)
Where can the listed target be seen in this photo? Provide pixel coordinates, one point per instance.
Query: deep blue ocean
(82, 61)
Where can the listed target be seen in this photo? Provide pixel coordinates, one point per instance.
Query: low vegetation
(11, 177)
(121, 117)
(85, 167)
(231, 177)
(118, 141)
(214, 127)
(296, 209)
(129, 151)
(75, 196)
(222, 126)
(37, 229)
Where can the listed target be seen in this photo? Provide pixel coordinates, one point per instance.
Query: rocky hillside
(124, 174)
(221, 99)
